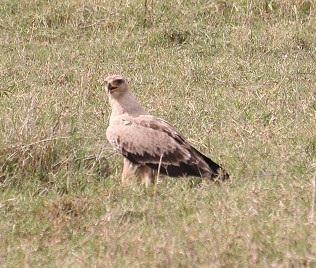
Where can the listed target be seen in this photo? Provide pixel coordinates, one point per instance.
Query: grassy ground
(236, 77)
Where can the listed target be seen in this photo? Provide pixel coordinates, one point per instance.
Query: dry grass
(236, 77)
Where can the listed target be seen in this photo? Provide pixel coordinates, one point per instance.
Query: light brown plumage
(149, 143)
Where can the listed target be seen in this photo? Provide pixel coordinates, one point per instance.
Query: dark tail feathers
(218, 173)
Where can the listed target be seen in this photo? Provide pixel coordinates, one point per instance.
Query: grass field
(238, 78)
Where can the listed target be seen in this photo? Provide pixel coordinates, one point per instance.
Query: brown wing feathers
(181, 159)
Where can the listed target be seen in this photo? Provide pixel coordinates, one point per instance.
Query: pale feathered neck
(125, 103)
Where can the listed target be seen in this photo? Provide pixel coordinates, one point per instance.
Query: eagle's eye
(118, 81)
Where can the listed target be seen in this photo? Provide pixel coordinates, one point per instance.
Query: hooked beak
(110, 87)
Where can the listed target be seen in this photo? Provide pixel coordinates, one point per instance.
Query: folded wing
(150, 141)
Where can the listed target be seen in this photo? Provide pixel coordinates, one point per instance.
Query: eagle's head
(116, 85)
